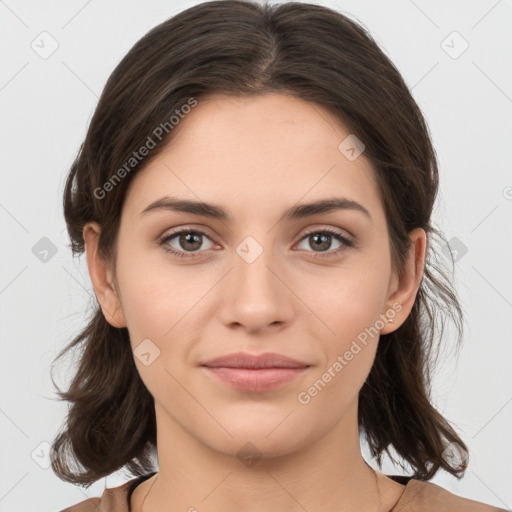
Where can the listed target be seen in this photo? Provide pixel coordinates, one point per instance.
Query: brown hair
(241, 48)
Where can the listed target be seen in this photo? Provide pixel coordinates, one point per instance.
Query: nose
(255, 295)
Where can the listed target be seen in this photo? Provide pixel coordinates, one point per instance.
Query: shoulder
(420, 496)
(84, 506)
(115, 499)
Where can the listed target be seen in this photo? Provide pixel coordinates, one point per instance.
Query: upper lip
(245, 360)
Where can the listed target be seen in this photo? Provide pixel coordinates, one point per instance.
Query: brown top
(418, 496)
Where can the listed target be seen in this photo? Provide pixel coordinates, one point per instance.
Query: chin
(253, 448)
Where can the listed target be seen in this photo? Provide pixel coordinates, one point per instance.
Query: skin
(256, 157)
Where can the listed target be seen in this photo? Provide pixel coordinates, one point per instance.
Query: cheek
(153, 299)
(350, 309)
(346, 300)
(346, 303)
(159, 306)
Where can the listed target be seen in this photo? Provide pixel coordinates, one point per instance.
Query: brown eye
(321, 241)
(187, 241)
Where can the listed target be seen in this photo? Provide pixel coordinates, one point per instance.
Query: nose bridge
(255, 294)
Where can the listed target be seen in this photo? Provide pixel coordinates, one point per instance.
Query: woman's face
(256, 281)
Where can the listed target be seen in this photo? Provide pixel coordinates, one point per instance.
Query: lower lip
(262, 379)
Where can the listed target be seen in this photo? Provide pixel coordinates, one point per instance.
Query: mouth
(254, 373)
(255, 361)
(255, 380)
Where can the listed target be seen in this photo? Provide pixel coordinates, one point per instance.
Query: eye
(188, 240)
(322, 240)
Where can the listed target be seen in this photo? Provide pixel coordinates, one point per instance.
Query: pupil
(324, 244)
(185, 239)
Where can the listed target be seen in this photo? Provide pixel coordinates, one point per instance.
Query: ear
(403, 290)
(102, 277)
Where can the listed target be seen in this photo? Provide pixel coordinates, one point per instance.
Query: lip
(255, 373)
(254, 380)
(258, 361)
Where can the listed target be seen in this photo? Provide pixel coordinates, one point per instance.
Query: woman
(254, 197)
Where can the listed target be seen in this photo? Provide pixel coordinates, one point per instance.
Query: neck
(329, 474)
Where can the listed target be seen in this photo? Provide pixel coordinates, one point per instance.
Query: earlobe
(408, 284)
(102, 278)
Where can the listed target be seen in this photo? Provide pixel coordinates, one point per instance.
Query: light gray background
(46, 105)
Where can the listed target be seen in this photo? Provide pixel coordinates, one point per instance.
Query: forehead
(255, 152)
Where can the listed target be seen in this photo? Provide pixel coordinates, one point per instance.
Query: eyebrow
(217, 212)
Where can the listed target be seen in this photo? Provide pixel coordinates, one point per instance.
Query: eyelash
(347, 241)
